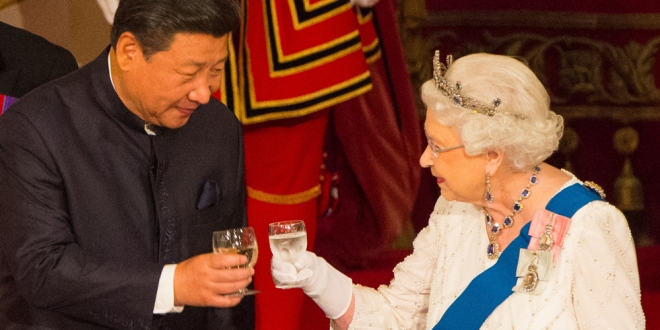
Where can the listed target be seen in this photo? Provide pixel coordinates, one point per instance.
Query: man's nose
(201, 93)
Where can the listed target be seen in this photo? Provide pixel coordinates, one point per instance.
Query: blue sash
(490, 288)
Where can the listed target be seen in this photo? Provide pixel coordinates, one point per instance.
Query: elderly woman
(513, 243)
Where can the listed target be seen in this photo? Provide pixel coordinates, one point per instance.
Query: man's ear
(128, 50)
(494, 159)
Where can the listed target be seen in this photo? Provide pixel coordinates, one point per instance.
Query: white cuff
(165, 294)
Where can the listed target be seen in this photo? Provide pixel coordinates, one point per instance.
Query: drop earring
(489, 192)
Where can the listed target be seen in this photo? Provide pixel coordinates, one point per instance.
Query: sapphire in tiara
(458, 100)
(453, 91)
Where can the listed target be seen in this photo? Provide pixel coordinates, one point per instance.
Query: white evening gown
(594, 283)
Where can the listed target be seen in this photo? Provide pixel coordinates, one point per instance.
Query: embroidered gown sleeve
(404, 303)
(606, 293)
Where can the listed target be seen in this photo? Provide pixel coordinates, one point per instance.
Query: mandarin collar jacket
(92, 207)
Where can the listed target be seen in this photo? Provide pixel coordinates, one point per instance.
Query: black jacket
(92, 207)
(28, 60)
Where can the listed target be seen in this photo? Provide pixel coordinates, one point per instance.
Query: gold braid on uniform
(290, 199)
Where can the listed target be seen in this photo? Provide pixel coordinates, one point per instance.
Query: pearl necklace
(493, 249)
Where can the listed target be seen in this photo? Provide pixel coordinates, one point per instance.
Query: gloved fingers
(307, 260)
(283, 272)
(304, 274)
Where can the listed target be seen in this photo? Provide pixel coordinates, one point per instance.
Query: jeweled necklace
(493, 249)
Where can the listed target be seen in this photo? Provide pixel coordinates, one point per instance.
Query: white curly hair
(526, 141)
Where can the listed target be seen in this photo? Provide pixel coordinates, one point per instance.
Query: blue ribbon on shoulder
(490, 288)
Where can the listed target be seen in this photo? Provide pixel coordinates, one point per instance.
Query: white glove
(364, 3)
(328, 287)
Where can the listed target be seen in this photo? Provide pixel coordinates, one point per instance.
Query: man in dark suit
(28, 60)
(114, 178)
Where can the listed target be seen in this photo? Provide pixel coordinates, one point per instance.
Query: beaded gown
(594, 283)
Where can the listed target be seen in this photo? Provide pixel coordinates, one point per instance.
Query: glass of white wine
(288, 242)
(238, 241)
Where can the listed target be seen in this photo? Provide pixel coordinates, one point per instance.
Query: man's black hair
(155, 22)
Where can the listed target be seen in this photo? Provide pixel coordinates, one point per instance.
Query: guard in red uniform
(297, 65)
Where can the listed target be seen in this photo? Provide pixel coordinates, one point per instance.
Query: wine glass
(288, 242)
(238, 241)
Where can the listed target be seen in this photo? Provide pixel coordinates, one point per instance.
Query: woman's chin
(448, 195)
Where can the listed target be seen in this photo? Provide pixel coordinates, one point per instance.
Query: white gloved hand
(329, 288)
(364, 3)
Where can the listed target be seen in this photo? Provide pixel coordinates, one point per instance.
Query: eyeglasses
(436, 151)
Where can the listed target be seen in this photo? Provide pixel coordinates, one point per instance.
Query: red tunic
(294, 58)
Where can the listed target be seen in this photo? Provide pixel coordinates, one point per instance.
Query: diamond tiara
(453, 92)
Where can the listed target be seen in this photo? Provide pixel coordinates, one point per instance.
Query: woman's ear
(494, 159)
